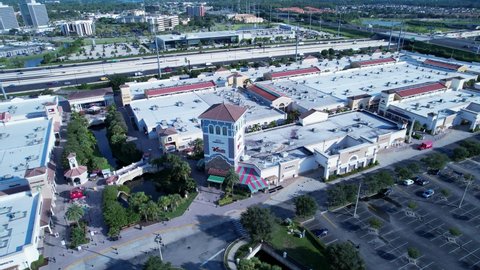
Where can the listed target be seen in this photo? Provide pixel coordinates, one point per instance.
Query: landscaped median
(307, 251)
(288, 242)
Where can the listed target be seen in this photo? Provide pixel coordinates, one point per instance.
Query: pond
(380, 23)
(265, 257)
(100, 133)
(141, 184)
(33, 62)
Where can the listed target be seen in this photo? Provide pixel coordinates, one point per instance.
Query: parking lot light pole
(358, 197)
(158, 240)
(465, 191)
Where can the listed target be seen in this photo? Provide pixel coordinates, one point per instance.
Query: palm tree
(152, 209)
(74, 213)
(143, 210)
(175, 200)
(231, 180)
(137, 199)
(164, 202)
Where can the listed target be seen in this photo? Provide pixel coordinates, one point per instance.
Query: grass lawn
(303, 250)
(182, 207)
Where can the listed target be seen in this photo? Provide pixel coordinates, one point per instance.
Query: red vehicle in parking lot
(425, 145)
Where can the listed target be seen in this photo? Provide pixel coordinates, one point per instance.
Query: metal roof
(179, 88)
(295, 72)
(440, 64)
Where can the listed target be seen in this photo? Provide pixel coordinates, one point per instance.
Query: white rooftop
(23, 145)
(17, 218)
(167, 110)
(444, 104)
(333, 88)
(261, 146)
(20, 108)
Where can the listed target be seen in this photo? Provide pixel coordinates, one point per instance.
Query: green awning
(216, 179)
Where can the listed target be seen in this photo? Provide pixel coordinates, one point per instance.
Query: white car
(408, 182)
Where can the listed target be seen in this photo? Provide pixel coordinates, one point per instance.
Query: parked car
(428, 193)
(421, 181)
(320, 232)
(408, 182)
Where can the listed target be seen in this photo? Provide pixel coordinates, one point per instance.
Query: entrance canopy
(249, 177)
(216, 179)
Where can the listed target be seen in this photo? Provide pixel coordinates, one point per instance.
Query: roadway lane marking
(211, 258)
(329, 221)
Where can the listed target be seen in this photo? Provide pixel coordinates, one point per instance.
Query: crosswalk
(239, 228)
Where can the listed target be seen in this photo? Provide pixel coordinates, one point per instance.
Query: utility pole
(358, 198)
(469, 181)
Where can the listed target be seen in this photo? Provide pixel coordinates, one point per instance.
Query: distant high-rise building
(196, 11)
(8, 20)
(78, 28)
(33, 13)
(162, 23)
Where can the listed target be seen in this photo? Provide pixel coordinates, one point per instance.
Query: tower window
(224, 131)
(217, 130)
(210, 129)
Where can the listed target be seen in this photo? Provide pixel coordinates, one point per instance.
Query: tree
(255, 264)
(460, 153)
(412, 205)
(403, 172)
(198, 148)
(164, 202)
(137, 199)
(231, 179)
(74, 213)
(155, 263)
(305, 206)
(375, 223)
(455, 232)
(413, 253)
(344, 256)
(435, 161)
(116, 80)
(258, 222)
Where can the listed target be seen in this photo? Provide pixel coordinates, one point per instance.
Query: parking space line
(329, 221)
(469, 254)
(333, 241)
(427, 265)
(404, 244)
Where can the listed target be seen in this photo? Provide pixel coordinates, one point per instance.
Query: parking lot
(425, 225)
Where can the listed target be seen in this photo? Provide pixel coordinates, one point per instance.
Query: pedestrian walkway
(231, 251)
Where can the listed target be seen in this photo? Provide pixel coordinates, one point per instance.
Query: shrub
(225, 200)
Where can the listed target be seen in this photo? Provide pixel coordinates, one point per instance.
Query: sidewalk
(232, 264)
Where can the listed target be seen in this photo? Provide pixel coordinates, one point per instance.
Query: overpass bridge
(131, 171)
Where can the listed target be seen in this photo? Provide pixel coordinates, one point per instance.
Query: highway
(24, 80)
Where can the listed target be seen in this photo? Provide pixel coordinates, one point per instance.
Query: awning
(215, 179)
(249, 177)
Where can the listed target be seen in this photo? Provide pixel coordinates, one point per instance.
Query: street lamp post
(158, 240)
(469, 181)
(358, 197)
